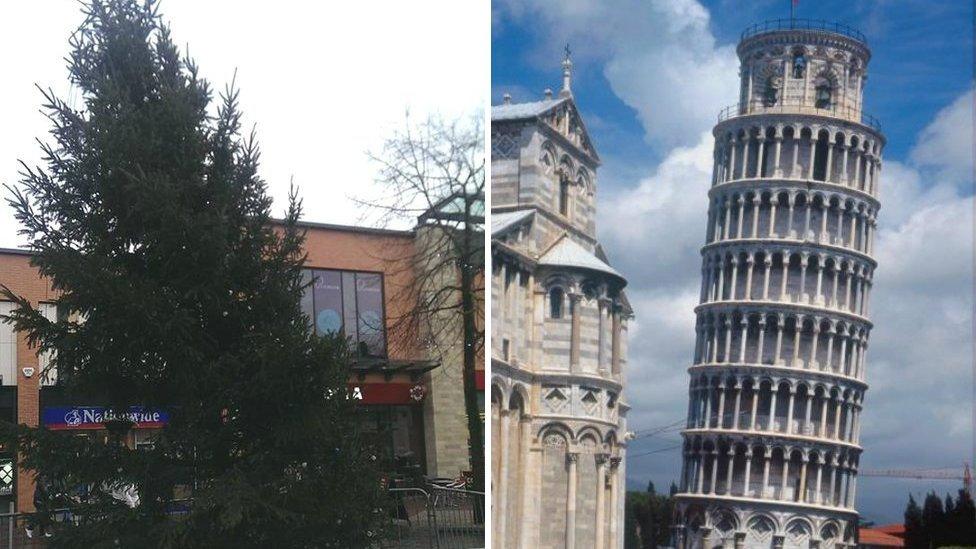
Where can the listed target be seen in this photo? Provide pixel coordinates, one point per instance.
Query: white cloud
(659, 57)
(324, 82)
(946, 144)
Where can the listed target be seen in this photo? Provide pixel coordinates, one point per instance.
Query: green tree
(933, 520)
(961, 522)
(915, 537)
(648, 517)
(178, 291)
(433, 174)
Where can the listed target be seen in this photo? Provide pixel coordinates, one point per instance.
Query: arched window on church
(799, 63)
(556, 303)
(564, 196)
(823, 94)
(771, 92)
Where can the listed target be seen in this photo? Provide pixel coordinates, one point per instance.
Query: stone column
(808, 208)
(786, 476)
(789, 411)
(828, 175)
(772, 215)
(735, 409)
(750, 265)
(701, 474)
(732, 152)
(745, 486)
(745, 156)
(574, 346)
(831, 334)
(708, 405)
(813, 342)
(765, 481)
(735, 274)
(818, 495)
(837, 410)
(571, 459)
(761, 143)
(791, 201)
(833, 482)
(803, 479)
(742, 340)
(755, 406)
(786, 273)
(822, 432)
(822, 237)
(614, 498)
(851, 235)
(601, 473)
(813, 155)
(728, 471)
(742, 213)
(756, 207)
(713, 489)
(615, 341)
(778, 358)
(798, 329)
(806, 416)
(795, 169)
(762, 337)
(720, 422)
(728, 340)
(843, 165)
(503, 447)
(714, 350)
(773, 390)
(804, 262)
(843, 353)
(817, 298)
(833, 297)
(778, 139)
(768, 262)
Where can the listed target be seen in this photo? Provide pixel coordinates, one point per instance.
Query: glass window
(556, 303)
(348, 303)
(8, 348)
(823, 96)
(349, 308)
(369, 302)
(307, 303)
(327, 302)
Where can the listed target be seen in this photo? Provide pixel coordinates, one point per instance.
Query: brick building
(359, 288)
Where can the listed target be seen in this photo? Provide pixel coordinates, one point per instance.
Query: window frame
(382, 276)
(562, 307)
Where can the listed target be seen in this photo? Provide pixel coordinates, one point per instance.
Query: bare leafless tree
(432, 175)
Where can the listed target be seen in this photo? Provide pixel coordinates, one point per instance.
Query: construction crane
(946, 473)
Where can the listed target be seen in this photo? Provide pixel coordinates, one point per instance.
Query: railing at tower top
(772, 25)
(798, 107)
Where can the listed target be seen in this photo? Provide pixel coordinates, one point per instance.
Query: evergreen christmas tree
(179, 292)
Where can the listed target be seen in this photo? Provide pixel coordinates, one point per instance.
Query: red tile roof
(875, 537)
(896, 529)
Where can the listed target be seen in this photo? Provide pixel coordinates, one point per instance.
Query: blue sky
(650, 77)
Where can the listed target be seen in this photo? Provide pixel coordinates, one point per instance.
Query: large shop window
(348, 303)
(8, 347)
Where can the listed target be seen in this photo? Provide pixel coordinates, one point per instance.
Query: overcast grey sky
(323, 81)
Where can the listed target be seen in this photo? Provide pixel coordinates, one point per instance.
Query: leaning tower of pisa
(771, 447)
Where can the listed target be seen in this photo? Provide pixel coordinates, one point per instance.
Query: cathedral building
(772, 442)
(558, 336)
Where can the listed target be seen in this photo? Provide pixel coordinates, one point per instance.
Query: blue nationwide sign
(70, 418)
